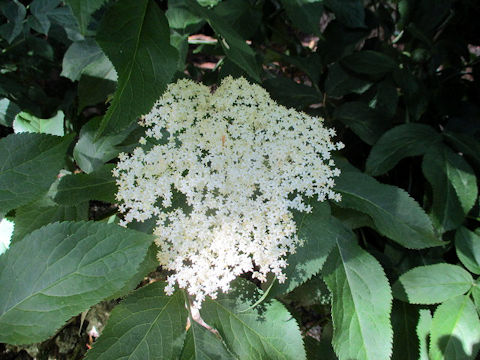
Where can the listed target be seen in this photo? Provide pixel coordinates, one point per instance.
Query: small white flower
(242, 163)
(6, 232)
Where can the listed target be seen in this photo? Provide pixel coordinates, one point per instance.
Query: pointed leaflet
(453, 183)
(232, 43)
(394, 213)
(83, 10)
(98, 185)
(136, 38)
(361, 301)
(60, 270)
(79, 55)
(148, 324)
(432, 284)
(467, 244)
(455, 330)
(309, 258)
(28, 166)
(202, 344)
(25, 122)
(400, 142)
(267, 331)
(404, 323)
(423, 331)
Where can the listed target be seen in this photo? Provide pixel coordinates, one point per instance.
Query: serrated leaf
(369, 62)
(454, 186)
(465, 143)
(83, 10)
(98, 185)
(91, 153)
(202, 344)
(25, 122)
(467, 245)
(363, 120)
(455, 330)
(139, 48)
(234, 46)
(400, 142)
(79, 55)
(394, 213)
(339, 82)
(28, 166)
(404, 322)
(8, 111)
(304, 14)
(423, 332)
(432, 284)
(267, 331)
(33, 216)
(361, 301)
(71, 266)
(309, 258)
(148, 324)
(351, 13)
(63, 17)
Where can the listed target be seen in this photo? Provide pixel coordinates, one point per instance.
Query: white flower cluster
(239, 163)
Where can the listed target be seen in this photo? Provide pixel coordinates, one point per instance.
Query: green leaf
(465, 143)
(234, 46)
(97, 83)
(304, 14)
(423, 331)
(15, 13)
(28, 166)
(8, 111)
(339, 82)
(291, 94)
(369, 62)
(91, 153)
(398, 143)
(350, 13)
(71, 266)
(455, 330)
(386, 99)
(40, 10)
(364, 121)
(267, 331)
(139, 48)
(181, 17)
(83, 10)
(78, 56)
(63, 17)
(202, 344)
(98, 185)
(432, 284)
(309, 258)
(394, 213)
(33, 216)
(476, 295)
(467, 245)
(148, 324)
(361, 301)
(404, 322)
(25, 122)
(454, 186)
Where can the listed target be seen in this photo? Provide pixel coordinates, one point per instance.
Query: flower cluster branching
(242, 163)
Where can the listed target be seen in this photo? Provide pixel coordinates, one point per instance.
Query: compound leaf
(361, 301)
(432, 284)
(400, 142)
(148, 324)
(394, 213)
(267, 331)
(28, 166)
(138, 45)
(455, 330)
(60, 270)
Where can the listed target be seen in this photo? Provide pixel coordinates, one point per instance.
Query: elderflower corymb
(241, 163)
